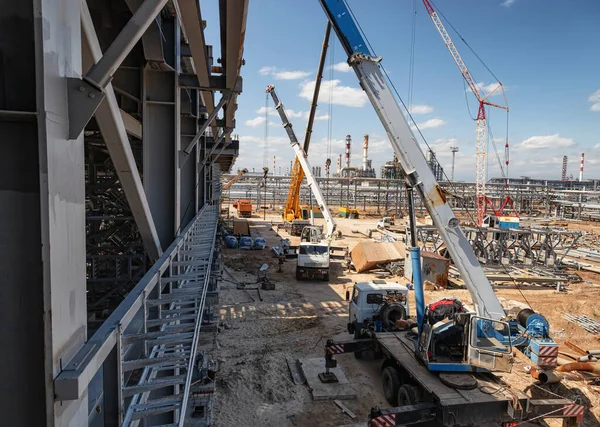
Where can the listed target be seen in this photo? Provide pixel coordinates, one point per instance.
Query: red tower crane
(481, 120)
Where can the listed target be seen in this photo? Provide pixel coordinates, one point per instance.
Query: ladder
(156, 383)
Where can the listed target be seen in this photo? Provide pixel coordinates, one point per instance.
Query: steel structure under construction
(117, 120)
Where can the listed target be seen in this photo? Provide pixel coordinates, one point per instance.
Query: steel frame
(172, 296)
(531, 246)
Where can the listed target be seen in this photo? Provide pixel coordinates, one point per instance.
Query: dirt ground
(254, 387)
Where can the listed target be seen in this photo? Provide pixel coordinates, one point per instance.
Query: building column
(42, 224)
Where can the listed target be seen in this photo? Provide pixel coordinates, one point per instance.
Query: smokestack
(366, 153)
(348, 143)
(563, 176)
(339, 164)
(274, 165)
(581, 168)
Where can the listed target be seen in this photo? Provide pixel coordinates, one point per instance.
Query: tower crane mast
(481, 120)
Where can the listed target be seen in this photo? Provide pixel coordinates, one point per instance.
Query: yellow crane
(234, 179)
(293, 210)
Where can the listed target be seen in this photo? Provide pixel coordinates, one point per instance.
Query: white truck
(313, 252)
(376, 306)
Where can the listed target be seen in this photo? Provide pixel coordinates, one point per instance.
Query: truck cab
(376, 306)
(385, 222)
(313, 259)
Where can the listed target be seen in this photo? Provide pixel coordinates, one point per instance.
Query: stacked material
(366, 255)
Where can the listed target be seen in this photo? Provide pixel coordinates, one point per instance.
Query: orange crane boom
(292, 208)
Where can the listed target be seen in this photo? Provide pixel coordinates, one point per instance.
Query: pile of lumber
(367, 255)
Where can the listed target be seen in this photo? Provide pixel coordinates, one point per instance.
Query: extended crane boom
(373, 82)
(292, 205)
(481, 131)
(234, 179)
(301, 157)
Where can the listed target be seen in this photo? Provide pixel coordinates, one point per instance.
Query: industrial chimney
(339, 164)
(366, 153)
(581, 168)
(563, 176)
(348, 143)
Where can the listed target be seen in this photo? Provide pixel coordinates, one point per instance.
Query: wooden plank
(345, 409)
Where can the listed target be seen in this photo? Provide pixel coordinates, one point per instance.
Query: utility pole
(454, 150)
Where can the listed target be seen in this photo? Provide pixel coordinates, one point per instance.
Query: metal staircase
(171, 324)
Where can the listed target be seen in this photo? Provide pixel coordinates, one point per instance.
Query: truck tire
(407, 395)
(390, 313)
(298, 274)
(391, 384)
(326, 277)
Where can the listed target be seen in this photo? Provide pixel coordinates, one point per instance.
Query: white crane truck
(442, 373)
(315, 246)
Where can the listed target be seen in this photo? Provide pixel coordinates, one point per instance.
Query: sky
(546, 53)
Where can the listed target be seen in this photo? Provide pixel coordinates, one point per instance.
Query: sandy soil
(254, 387)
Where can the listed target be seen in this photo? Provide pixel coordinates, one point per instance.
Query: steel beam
(132, 126)
(191, 19)
(42, 222)
(184, 154)
(113, 130)
(101, 73)
(236, 13)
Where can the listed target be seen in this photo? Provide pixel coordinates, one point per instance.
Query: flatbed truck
(421, 397)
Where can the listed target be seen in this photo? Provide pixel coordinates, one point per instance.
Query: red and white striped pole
(581, 168)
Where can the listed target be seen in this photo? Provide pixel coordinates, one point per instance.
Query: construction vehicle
(314, 249)
(293, 211)
(244, 208)
(441, 372)
(234, 179)
(376, 305)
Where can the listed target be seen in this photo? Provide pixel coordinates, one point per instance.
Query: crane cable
(411, 66)
(427, 144)
(265, 147)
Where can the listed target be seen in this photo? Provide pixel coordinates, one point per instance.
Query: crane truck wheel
(391, 384)
(407, 395)
(390, 313)
(298, 274)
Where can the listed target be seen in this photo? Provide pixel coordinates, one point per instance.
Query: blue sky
(545, 52)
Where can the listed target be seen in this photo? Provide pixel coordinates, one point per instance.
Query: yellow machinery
(293, 210)
(234, 179)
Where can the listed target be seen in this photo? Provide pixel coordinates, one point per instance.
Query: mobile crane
(453, 348)
(234, 179)
(313, 252)
(293, 211)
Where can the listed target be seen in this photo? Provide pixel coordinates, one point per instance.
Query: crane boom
(292, 206)
(301, 157)
(407, 149)
(234, 179)
(481, 130)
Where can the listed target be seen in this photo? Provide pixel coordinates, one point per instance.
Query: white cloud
(283, 74)
(430, 124)
(485, 90)
(342, 95)
(595, 100)
(597, 146)
(342, 67)
(292, 114)
(420, 109)
(507, 3)
(546, 141)
(257, 121)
